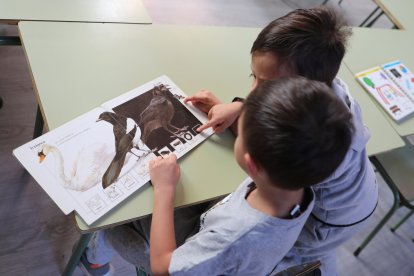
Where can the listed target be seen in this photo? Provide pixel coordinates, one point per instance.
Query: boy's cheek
(254, 85)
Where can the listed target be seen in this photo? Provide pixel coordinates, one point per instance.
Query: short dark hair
(311, 42)
(297, 130)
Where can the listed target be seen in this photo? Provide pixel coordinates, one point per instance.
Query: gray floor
(36, 238)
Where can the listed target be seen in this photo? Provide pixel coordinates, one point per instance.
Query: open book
(392, 85)
(95, 161)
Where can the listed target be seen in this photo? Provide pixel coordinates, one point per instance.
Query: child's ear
(252, 166)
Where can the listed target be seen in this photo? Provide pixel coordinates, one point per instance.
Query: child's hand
(221, 116)
(165, 173)
(203, 100)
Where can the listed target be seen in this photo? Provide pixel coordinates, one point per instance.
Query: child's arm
(221, 116)
(165, 174)
(203, 100)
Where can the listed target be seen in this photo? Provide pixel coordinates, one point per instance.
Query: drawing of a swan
(87, 169)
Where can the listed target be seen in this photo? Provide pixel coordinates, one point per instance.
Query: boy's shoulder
(361, 132)
(235, 218)
(234, 232)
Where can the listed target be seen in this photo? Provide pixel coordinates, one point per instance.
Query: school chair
(368, 24)
(397, 169)
(306, 269)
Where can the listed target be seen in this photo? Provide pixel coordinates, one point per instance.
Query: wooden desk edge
(9, 21)
(74, 217)
(46, 126)
(17, 21)
(389, 14)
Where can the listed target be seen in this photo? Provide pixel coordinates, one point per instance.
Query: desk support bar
(10, 40)
(409, 214)
(38, 129)
(77, 253)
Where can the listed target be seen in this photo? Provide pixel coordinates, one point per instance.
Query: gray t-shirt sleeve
(201, 254)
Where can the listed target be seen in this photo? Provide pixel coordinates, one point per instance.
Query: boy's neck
(275, 201)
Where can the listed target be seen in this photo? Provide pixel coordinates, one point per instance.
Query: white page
(401, 75)
(386, 93)
(85, 169)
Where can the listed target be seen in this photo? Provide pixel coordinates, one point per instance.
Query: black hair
(311, 42)
(297, 130)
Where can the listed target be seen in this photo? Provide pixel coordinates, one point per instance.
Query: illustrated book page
(95, 161)
(402, 76)
(386, 92)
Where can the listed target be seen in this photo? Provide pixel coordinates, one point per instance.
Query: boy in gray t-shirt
(293, 133)
(235, 238)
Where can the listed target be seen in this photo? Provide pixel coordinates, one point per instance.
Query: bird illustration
(159, 114)
(127, 137)
(87, 169)
(122, 125)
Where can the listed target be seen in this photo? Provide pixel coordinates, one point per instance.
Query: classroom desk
(373, 47)
(104, 11)
(77, 67)
(400, 12)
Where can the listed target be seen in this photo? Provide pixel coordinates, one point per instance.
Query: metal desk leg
(369, 16)
(394, 207)
(76, 254)
(38, 129)
(369, 25)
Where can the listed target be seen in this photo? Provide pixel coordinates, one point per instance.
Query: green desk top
(79, 66)
(383, 136)
(399, 11)
(373, 47)
(76, 67)
(116, 11)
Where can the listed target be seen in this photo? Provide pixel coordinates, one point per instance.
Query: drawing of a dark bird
(127, 137)
(159, 113)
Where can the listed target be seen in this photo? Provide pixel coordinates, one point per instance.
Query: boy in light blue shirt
(311, 43)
